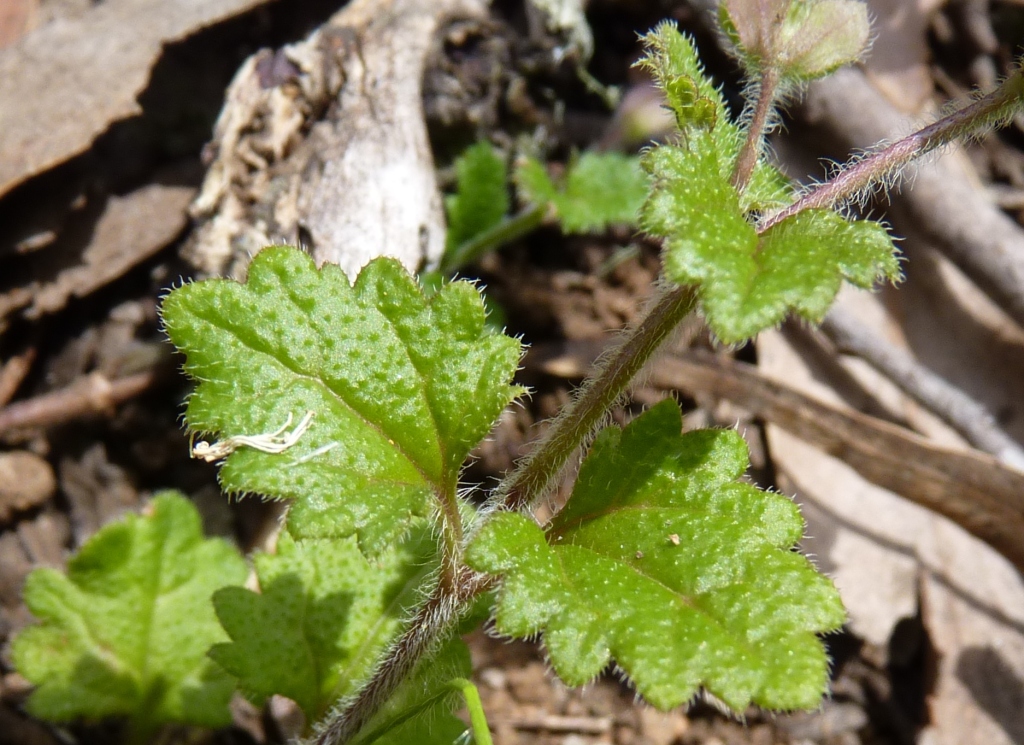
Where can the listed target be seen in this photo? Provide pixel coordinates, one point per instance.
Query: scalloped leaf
(600, 189)
(126, 631)
(402, 387)
(663, 561)
(481, 198)
(324, 615)
(671, 58)
(748, 282)
(699, 107)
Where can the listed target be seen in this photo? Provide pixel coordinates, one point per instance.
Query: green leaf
(600, 189)
(697, 103)
(672, 58)
(402, 387)
(420, 711)
(748, 282)
(126, 631)
(324, 616)
(481, 198)
(665, 562)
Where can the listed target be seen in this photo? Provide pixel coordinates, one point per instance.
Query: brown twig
(966, 415)
(13, 373)
(92, 394)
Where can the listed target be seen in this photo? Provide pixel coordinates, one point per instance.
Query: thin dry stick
(966, 415)
(13, 373)
(92, 394)
(566, 724)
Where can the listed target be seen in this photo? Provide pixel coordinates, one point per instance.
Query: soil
(66, 474)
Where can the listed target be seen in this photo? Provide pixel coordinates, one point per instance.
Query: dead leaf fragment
(26, 481)
(978, 641)
(66, 82)
(131, 229)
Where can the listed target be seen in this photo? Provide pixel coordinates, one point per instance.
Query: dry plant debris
(894, 560)
(66, 82)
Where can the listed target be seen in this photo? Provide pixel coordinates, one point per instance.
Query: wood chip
(13, 373)
(557, 723)
(361, 184)
(26, 481)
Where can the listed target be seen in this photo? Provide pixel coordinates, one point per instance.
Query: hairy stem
(751, 149)
(876, 167)
(504, 232)
(577, 420)
(451, 541)
(434, 622)
(438, 615)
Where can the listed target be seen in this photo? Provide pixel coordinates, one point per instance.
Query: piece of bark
(131, 229)
(68, 81)
(361, 184)
(946, 204)
(26, 481)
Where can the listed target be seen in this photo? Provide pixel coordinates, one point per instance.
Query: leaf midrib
(399, 448)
